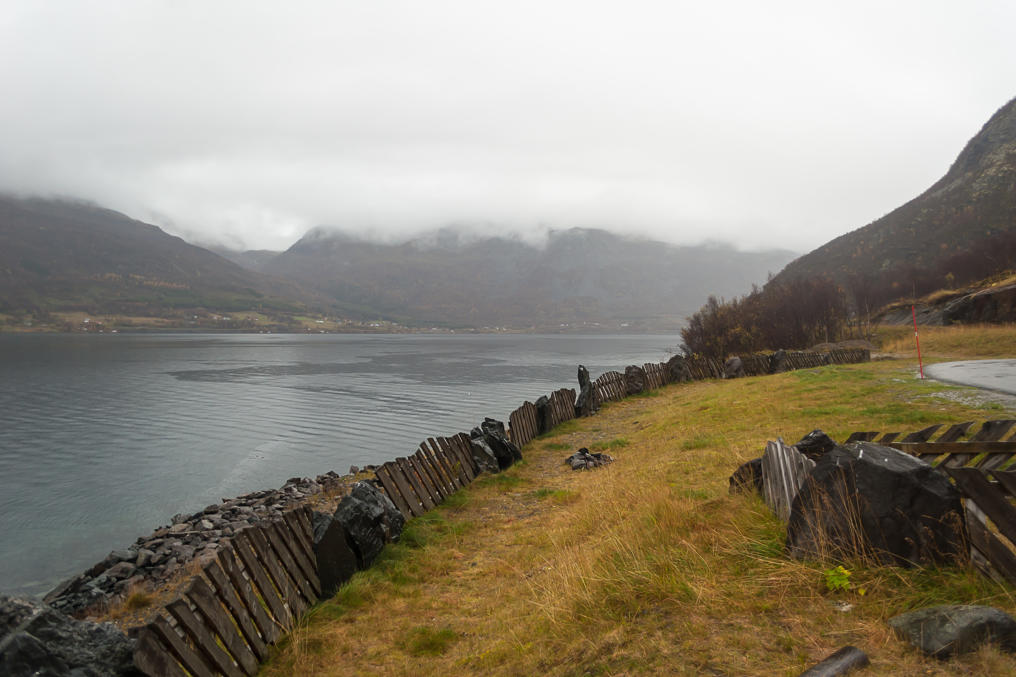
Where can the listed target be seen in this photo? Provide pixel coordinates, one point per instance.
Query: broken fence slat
(215, 617)
(783, 472)
(203, 639)
(975, 486)
(193, 662)
(152, 658)
(268, 627)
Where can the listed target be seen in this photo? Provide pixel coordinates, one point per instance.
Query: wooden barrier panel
(784, 469)
(242, 602)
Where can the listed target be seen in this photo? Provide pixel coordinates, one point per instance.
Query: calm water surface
(105, 437)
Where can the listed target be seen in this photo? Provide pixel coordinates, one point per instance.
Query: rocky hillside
(582, 279)
(953, 232)
(60, 255)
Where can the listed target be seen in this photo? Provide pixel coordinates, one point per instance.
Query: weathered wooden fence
(522, 424)
(656, 375)
(610, 387)
(418, 483)
(245, 600)
(978, 467)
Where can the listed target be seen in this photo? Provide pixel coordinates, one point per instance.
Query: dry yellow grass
(646, 566)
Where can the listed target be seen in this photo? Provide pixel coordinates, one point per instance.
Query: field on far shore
(648, 565)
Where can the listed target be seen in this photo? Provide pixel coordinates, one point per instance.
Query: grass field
(648, 565)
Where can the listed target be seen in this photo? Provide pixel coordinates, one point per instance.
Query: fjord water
(105, 437)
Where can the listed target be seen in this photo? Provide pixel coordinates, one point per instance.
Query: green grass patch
(557, 496)
(426, 641)
(618, 443)
(557, 446)
(562, 429)
(700, 442)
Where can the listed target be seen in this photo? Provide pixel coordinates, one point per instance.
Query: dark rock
(733, 368)
(778, 362)
(678, 370)
(544, 416)
(947, 630)
(336, 560)
(483, 455)
(121, 570)
(370, 519)
(993, 305)
(748, 477)
(584, 460)
(493, 433)
(634, 380)
(585, 403)
(35, 639)
(869, 500)
(815, 444)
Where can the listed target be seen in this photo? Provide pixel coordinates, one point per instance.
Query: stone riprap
(38, 641)
(153, 560)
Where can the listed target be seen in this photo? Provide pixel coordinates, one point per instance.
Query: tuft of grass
(425, 641)
(618, 443)
(557, 446)
(556, 496)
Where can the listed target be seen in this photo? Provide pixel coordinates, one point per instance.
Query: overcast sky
(762, 123)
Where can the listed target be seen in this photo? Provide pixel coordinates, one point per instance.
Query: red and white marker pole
(917, 339)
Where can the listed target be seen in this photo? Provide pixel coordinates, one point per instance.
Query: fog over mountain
(769, 125)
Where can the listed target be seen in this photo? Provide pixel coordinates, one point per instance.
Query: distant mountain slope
(581, 278)
(927, 236)
(64, 255)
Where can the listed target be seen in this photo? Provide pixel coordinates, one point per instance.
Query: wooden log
(955, 432)
(190, 659)
(216, 618)
(992, 431)
(277, 570)
(274, 599)
(226, 592)
(1007, 479)
(922, 435)
(461, 444)
(305, 547)
(277, 541)
(975, 485)
(152, 658)
(425, 473)
(203, 639)
(449, 476)
(459, 465)
(269, 628)
(410, 474)
(784, 470)
(398, 496)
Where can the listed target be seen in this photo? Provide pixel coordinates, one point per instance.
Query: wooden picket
(522, 424)
(784, 470)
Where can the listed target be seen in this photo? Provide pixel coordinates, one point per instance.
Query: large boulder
(747, 478)
(677, 370)
(585, 403)
(778, 362)
(38, 641)
(544, 415)
(370, 520)
(484, 456)
(944, 631)
(874, 501)
(493, 434)
(336, 560)
(815, 444)
(634, 380)
(733, 368)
